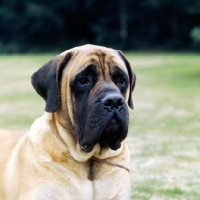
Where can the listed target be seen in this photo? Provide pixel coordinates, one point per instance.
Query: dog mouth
(111, 136)
(113, 126)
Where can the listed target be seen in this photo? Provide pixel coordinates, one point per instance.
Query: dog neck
(93, 157)
(52, 131)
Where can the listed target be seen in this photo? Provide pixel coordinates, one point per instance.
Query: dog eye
(121, 81)
(83, 80)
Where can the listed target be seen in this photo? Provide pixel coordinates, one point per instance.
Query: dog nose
(113, 101)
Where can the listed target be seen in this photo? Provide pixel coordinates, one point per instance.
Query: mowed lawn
(164, 129)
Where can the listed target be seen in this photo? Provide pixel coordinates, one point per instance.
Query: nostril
(108, 102)
(112, 101)
(120, 102)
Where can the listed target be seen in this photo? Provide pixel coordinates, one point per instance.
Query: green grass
(164, 134)
(164, 130)
(19, 103)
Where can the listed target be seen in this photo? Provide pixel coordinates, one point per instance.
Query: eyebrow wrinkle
(110, 65)
(101, 57)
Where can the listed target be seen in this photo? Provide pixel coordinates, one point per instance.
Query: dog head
(90, 88)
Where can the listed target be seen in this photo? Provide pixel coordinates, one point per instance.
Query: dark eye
(121, 81)
(83, 80)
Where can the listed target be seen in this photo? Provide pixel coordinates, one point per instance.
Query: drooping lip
(112, 135)
(113, 129)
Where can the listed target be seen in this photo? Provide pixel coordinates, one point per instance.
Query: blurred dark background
(47, 25)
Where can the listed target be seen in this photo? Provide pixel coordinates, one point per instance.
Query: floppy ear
(132, 78)
(46, 81)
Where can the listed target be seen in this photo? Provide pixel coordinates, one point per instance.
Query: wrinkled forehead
(103, 58)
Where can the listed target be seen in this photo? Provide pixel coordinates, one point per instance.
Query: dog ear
(46, 81)
(132, 78)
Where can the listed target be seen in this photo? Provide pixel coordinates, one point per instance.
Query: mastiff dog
(77, 149)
